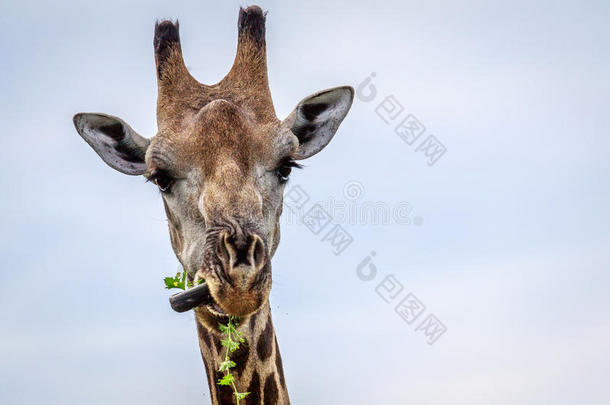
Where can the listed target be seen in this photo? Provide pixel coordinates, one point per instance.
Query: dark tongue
(191, 298)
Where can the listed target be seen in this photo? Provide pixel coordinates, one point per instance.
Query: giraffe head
(221, 159)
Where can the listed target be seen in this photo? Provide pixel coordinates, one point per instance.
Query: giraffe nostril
(238, 250)
(256, 253)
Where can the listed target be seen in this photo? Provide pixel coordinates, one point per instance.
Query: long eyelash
(290, 162)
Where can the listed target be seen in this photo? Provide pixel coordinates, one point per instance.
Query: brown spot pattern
(240, 357)
(254, 398)
(270, 393)
(252, 322)
(265, 342)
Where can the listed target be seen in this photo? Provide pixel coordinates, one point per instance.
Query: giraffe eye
(283, 173)
(285, 168)
(162, 180)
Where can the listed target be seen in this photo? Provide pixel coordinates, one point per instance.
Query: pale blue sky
(512, 255)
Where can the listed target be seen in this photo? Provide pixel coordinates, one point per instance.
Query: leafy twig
(179, 281)
(231, 342)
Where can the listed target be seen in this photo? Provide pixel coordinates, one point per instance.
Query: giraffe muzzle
(244, 279)
(241, 283)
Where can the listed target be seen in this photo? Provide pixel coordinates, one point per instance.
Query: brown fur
(181, 97)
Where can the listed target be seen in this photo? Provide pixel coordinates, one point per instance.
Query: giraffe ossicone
(221, 159)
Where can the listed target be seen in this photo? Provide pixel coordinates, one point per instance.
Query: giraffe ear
(114, 141)
(316, 118)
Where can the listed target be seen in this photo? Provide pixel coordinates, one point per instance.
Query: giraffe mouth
(216, 310)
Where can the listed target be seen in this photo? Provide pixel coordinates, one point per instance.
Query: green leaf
(226, 365)
(178, 281)
(173, 282)
(241, 395)
(169, 282)
(230, 345)
(226, 380)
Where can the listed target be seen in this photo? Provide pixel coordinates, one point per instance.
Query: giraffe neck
(259, 364)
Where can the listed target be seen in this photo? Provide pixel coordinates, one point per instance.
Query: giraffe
(221, 159)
